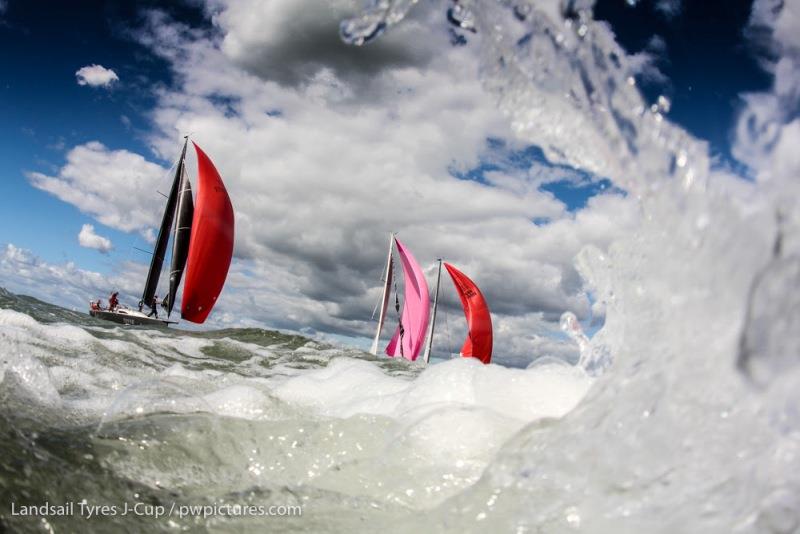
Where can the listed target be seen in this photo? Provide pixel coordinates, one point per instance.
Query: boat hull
(129, 317)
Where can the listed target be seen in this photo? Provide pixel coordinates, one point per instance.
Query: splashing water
(373, 20)
(676, 437)
(593, 359)
(694, 428)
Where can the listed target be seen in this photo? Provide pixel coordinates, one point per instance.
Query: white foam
(390, 436)
(347, 387)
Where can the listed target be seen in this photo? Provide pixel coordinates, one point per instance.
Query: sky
(325, 149)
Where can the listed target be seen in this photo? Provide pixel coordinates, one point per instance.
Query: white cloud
(89, 239)
(319, 173)
(64, 284)
(116, 187)
(289, 41)
(96, 76)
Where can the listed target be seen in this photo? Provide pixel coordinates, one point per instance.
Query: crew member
(113, 301)
(153, 307)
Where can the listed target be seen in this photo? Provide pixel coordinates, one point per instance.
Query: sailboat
(416, 322)
(412, 322)
(202, 247)
(479, 320)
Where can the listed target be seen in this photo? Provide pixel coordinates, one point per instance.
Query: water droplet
(521, 11)
(572, 516)
(462, 17)
(569, 324)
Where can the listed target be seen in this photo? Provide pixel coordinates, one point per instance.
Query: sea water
(117, 415)
(686, 421)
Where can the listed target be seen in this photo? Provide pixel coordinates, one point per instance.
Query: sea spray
(674, 437)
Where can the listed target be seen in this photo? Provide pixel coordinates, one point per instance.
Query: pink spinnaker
(416, 309)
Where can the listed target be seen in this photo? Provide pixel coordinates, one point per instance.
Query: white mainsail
(385, 298)
(427, 354)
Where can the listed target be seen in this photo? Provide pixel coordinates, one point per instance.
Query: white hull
(129, 317)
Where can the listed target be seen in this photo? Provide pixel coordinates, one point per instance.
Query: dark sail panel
(157, 262)
(180, 240)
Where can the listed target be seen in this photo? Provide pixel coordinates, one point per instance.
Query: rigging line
(384, 273)
(137, 235)
(399, 316)
(168, 256)
(449, 339)
(375, 310)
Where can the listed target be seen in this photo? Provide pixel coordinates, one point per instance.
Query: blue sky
(706, 60)
(700, 56)
(45, 112)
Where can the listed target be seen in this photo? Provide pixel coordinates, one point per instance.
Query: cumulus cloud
(116, 187)
(89, 239)
(319, 174)
(291, 41)
(65, 284)
(96, 76)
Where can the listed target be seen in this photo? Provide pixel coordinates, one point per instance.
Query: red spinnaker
(479, 338)
(211, 244)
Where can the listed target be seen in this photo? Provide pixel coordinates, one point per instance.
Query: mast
(427, 355)
(384, 298)
(151, 283)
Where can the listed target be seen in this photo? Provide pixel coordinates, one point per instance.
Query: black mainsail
(151, 284)
(180, 240)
